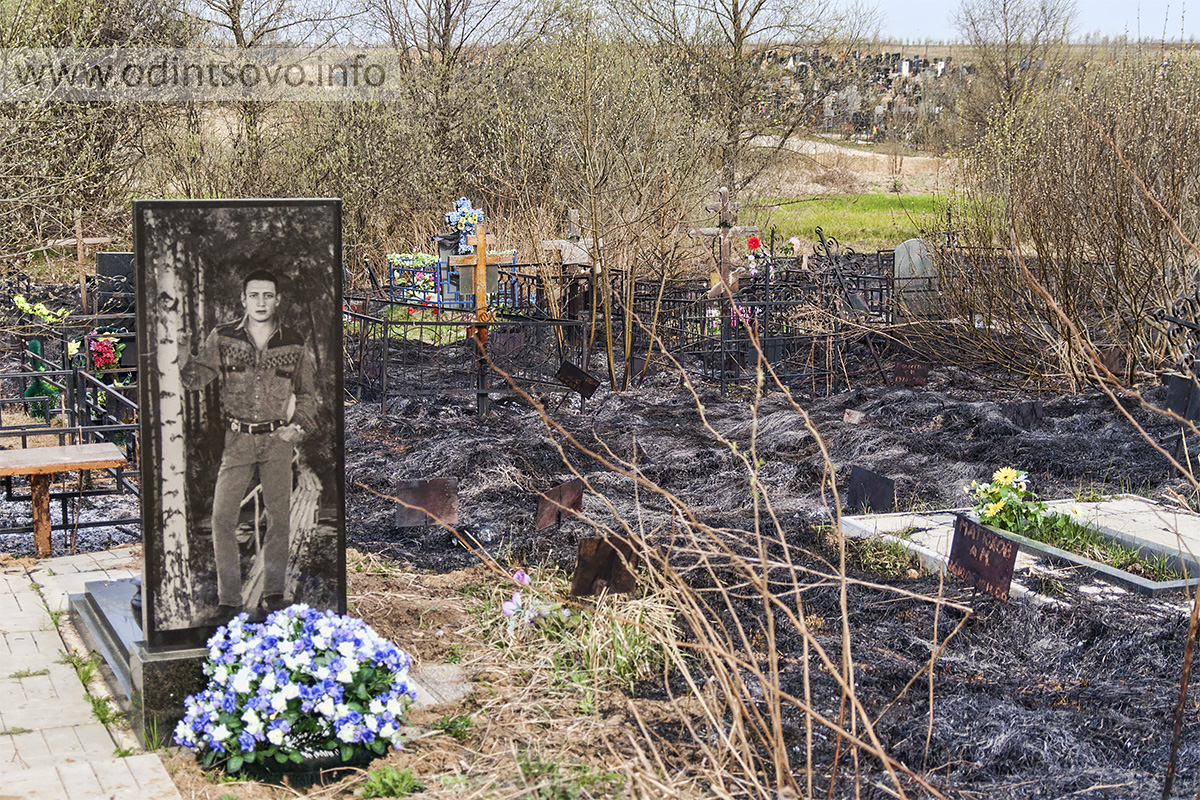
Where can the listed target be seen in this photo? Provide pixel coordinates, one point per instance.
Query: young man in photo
(264, 372)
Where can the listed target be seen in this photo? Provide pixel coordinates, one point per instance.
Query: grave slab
(1134, 521)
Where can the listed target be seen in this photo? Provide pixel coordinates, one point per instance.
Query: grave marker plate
(982, 558)
(1024, 414)
(573, 377)
(870, 491)
(913, 374)
(432, 500)
(565, 499)
(193, 258)
(604, 564)
(505, 344)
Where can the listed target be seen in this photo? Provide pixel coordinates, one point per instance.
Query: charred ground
(1071, 698)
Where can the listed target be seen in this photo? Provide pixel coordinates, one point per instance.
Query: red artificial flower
(754, 243)
(411, 310)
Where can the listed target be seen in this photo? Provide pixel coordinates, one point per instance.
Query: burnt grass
(1031, 701)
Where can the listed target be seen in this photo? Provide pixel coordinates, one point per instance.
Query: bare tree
(715, 43)
(1016, 44)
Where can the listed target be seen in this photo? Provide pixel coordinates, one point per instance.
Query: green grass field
(866, 222)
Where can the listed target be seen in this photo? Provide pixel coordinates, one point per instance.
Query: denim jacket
(257, 385)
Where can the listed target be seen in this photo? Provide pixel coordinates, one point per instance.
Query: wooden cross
(725, 230)
(478, 263)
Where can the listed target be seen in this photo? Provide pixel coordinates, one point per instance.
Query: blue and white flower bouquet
(303, 684)
(463, 219)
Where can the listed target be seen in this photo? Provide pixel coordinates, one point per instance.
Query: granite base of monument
(154, 682)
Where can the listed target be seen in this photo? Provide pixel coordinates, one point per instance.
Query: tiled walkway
(51, 745)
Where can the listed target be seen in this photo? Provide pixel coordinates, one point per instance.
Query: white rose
(346, 649)
(278, 702)
(241, 681)
(377, 707)
(346, 733)
(291, 691)
(275, 736)
(220, 733)
(345, 676)
(325, 707)
(254, 725)
(221, 674)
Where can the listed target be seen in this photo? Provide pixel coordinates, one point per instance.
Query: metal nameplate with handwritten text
(981, 557)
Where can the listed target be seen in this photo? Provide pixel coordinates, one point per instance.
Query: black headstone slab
(575, 378)
(116, 266)
(1183, 396)
(1025, 414)
(604, 564)
(913, 374)
(564, 500)
(869, 491)
(193, 258)
(982, 558)
(1179, 390)
(427, 501)
(114, 289)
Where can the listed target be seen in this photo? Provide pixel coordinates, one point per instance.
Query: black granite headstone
(229, 440)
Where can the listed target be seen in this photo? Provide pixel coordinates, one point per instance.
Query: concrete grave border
(868, 526)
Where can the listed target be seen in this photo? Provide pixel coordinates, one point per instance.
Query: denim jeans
(243, 454)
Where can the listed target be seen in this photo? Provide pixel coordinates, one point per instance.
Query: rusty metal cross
(726, 229)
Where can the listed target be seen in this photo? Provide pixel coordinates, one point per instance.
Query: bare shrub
(1073, 180)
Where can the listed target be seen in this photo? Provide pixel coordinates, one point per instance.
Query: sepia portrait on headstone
(239, 326)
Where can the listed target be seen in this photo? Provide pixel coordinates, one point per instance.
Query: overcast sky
(918, 20)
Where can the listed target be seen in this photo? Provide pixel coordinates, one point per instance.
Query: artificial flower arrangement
(464, 219)
(302, 685)
(1007, 501)
(415, 274)
(106, 352)
(40, 310)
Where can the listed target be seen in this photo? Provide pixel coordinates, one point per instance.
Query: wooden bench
(40, 463)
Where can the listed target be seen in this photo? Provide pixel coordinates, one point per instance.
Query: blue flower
(269, 679)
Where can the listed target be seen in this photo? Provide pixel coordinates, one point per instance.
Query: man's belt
(255, 427)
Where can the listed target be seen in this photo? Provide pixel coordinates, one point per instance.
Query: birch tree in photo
(174, 604)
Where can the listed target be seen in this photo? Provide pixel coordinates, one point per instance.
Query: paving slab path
(51, 744)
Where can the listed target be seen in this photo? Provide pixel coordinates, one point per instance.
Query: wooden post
(83, 303)
(482, 314)
(479, 278)
(40, 486)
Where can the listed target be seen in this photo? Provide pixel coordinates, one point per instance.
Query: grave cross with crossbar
(726, 229)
